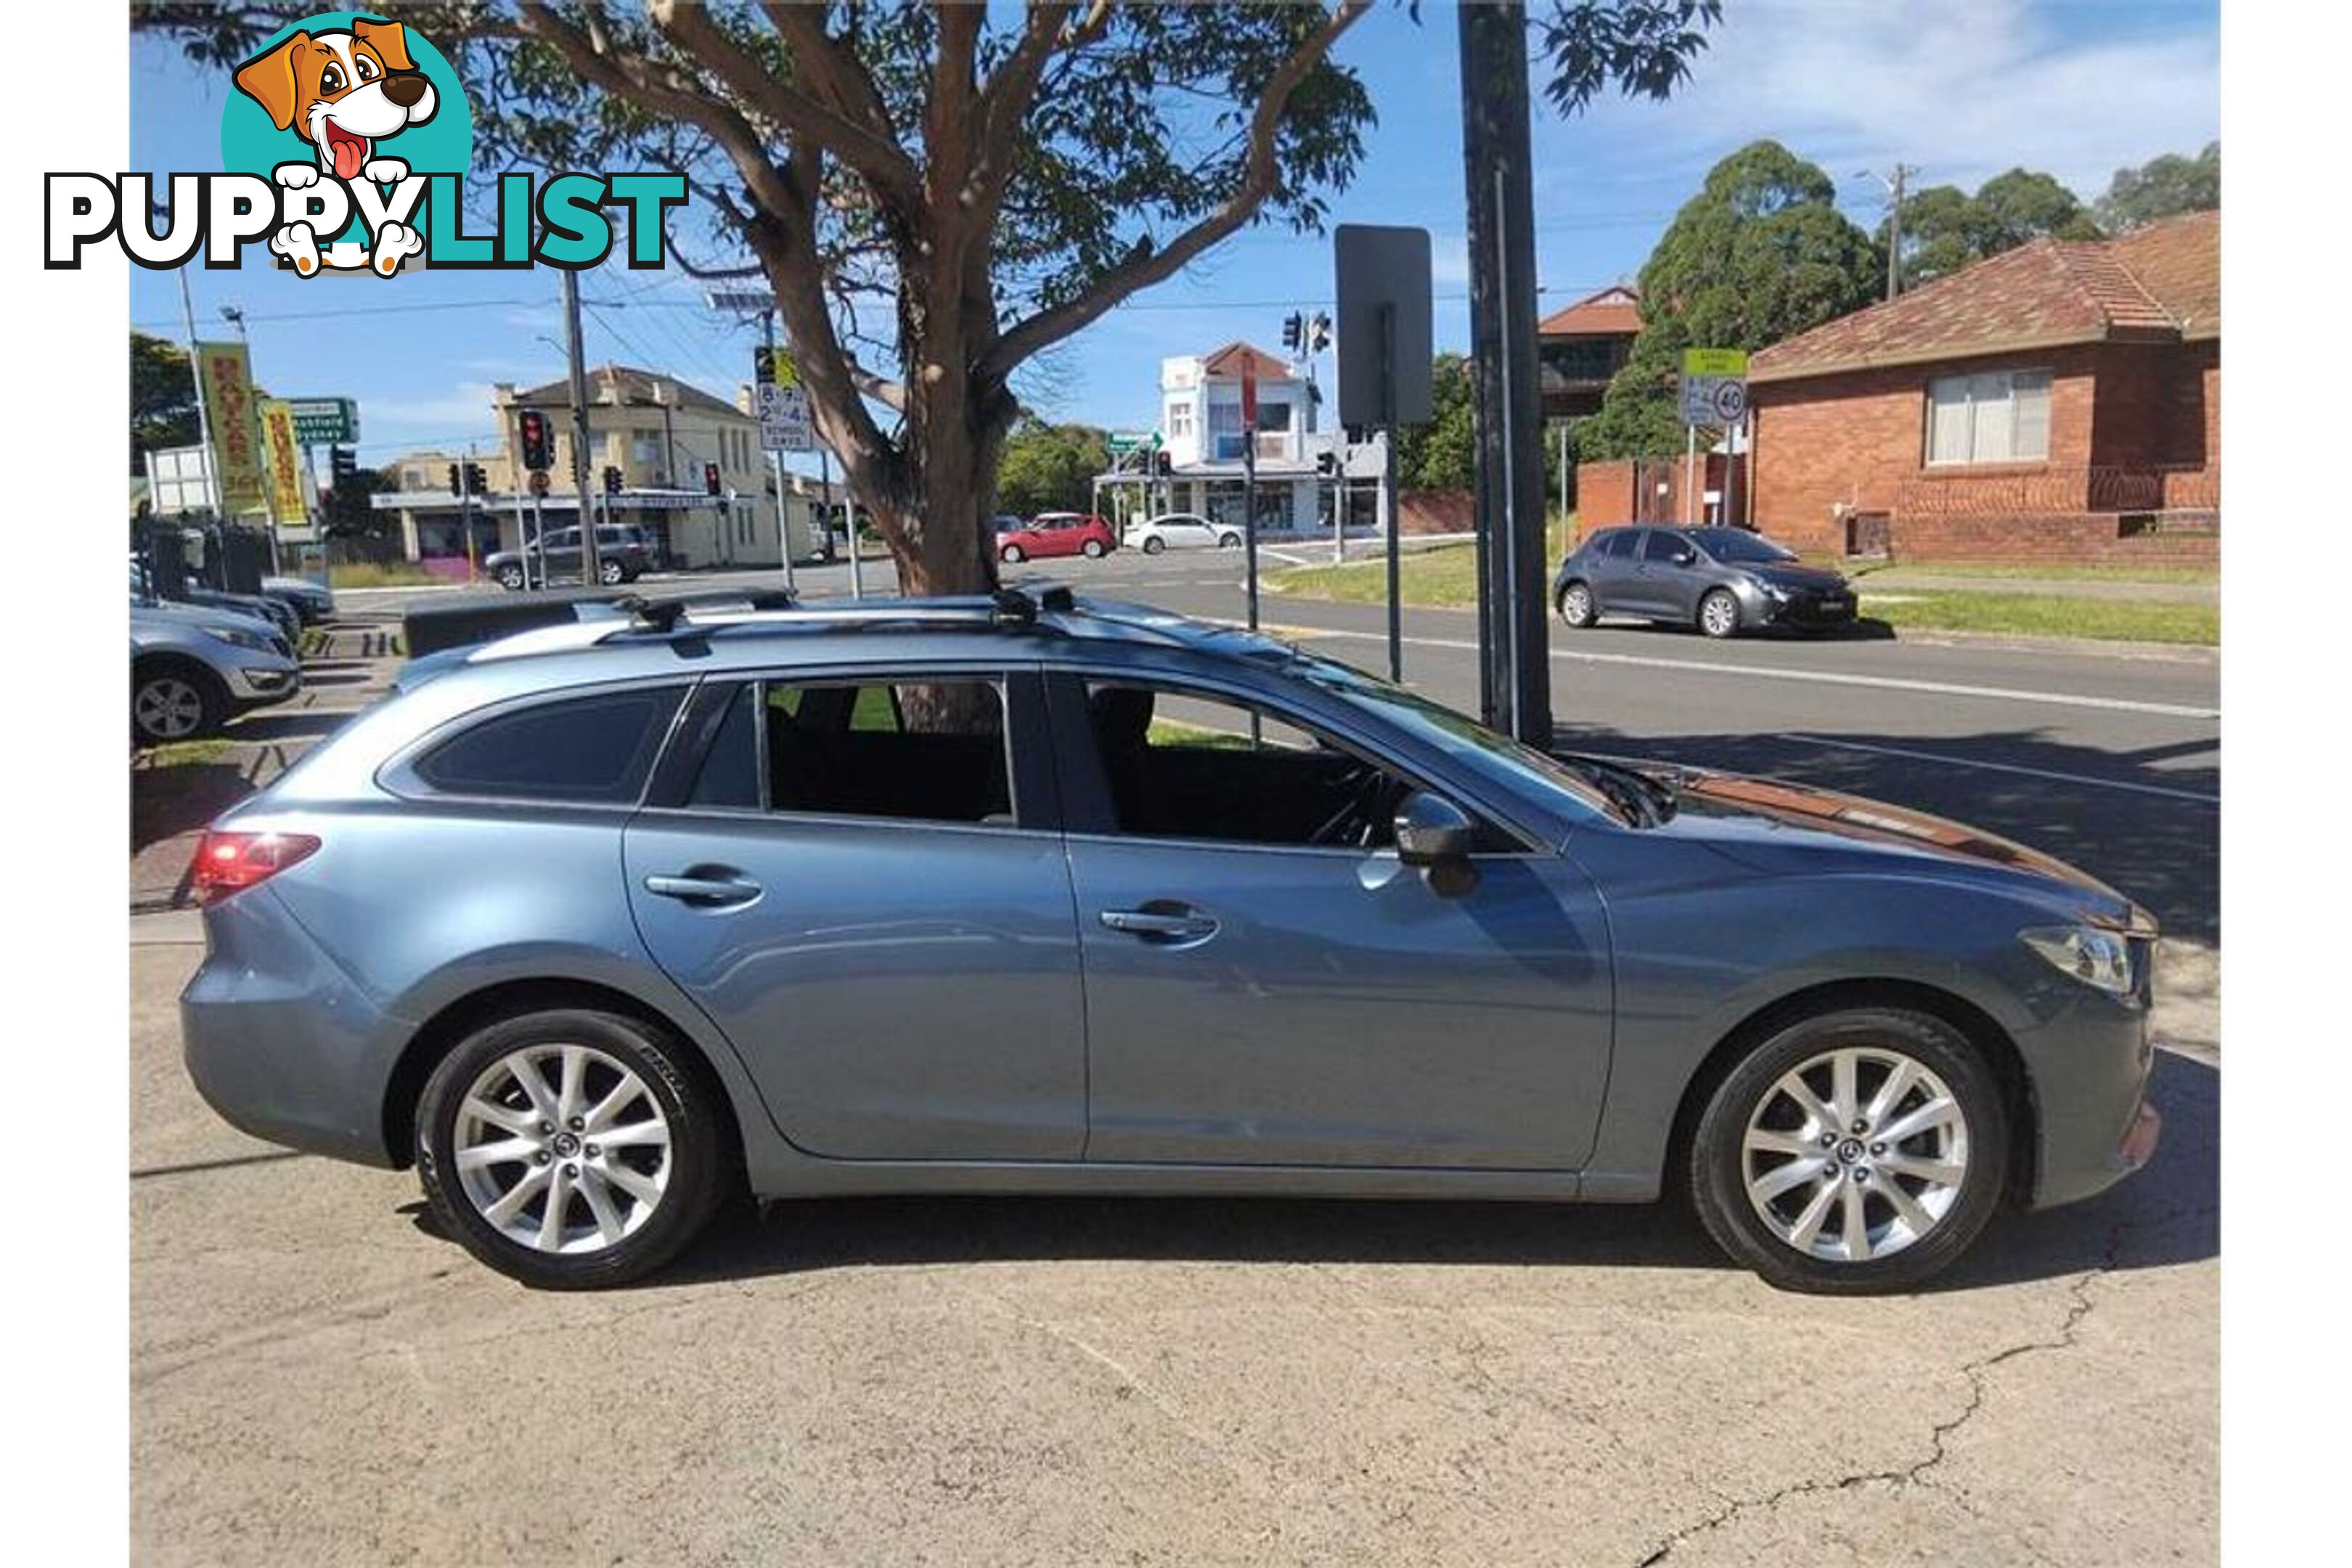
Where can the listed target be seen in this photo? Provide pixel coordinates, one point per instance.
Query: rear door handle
(1164, 926)
(711, 891)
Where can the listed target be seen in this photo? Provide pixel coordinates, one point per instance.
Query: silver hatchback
(612, 919)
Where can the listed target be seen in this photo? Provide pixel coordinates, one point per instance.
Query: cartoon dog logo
(345, 93)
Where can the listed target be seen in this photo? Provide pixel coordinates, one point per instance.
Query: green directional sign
(324, 421)
(1129, 440)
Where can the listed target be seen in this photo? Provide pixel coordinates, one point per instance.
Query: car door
(1612, 569)
(561, 549)
(1254, 998)
(861, 881)
(1670, 575)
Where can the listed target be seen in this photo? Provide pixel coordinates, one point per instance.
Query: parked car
(1181, 530)
(920, 897)
(1724, 580)
(1054, 534)
(193, 669)
(269, 608)
(620, 557)
(314, 602)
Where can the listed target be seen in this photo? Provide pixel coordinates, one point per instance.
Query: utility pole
(1515, 670)
(591, 562)
(204, 414)
(1894, 182)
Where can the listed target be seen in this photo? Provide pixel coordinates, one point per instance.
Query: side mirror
(1431, 830)
(1685, 557)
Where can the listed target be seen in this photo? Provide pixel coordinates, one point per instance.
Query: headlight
(2099, 959)
(258, 641)
(1773, 591)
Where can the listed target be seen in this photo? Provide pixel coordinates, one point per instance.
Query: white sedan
(1181, 530)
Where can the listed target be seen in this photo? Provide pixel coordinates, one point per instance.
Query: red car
(1054, 534)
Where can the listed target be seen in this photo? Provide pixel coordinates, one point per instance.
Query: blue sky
(1961, 90)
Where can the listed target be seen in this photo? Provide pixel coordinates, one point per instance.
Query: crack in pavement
(2077, 1308)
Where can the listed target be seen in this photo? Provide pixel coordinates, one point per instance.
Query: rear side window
(590, 749)
(1620, 545)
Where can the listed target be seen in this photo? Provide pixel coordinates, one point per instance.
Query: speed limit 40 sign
(1714, 386)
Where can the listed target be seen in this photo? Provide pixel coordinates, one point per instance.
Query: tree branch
(1148, 266)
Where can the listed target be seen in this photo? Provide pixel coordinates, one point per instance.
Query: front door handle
(1163, 926)
(711, 891)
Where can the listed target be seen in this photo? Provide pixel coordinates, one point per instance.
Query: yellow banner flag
(282, 463)
(227, 380)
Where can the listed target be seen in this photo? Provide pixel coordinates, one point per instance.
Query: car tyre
(1153, 544)
(1576, 607)
(476, 1101)
(1719, 613)
(611, 574)
(175, 700)
(1092, 549)
(1229, 541)
(1759, 1163)
(1011, 555)
(510, 578)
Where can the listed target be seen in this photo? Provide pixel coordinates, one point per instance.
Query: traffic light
(343, 466)
(1293, 330)
(612, 480)
(537, 440)
(477, 481)
(710, 485)
(455, 479)
(1327, 464)
(1319, 333)
(1162, 463)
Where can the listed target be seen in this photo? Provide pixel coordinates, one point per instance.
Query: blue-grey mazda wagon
(607, 921)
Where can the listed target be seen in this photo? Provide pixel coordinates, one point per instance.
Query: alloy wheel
(562, 1148)
(1576, 605)
(609, 572)
(1855, 1153)
(168, 708)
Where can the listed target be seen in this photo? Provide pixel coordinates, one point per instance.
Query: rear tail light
(231, 862)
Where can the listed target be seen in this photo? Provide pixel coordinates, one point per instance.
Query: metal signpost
(1249, 482)
(1715, 397)
(786, 424)
(1384, 360)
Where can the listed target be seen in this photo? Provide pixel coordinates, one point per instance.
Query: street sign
(324, 421)
(1125, 441)
(1383, 318)
(1715, 387)
(782, 402)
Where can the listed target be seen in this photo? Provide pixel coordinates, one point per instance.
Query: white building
(1202, 440)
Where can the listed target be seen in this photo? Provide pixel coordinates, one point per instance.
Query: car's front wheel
(1853, 1152)
(171, 700)
(510, 577)
(571, 1148)
(1229, 541)
(1576, 606)
(1011, 555)
(611, 574)
(1718, 613)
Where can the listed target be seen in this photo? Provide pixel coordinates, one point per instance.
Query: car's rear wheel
(1576, 606)
(1718, 613)
(1153, 544)
(570, 1148)
(510, 577)
(1092, 549)
(175, 700)
(1853, 1152)
(1012, 553)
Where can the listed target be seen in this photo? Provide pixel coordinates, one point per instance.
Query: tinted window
(1737, 545)
(731, 770)
(1663, 545)
(926, 749)
(590, 749)
(1620, 545)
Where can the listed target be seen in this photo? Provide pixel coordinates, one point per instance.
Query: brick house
(2061, 401)
(1579, 347)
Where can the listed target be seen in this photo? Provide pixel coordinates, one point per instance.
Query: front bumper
(255, 685)
(1808, 609)
(2091, 1066)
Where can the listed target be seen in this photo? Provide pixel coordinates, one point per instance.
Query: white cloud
(1963, 90)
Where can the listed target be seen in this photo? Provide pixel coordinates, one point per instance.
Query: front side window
(1994, 416)
(596, 750)
(1664, 544)
(1182, 765)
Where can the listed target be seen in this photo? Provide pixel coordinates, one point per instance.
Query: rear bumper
(280, 1041)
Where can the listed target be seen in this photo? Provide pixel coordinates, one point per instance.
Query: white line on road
(2006, 768)
(1826, 677)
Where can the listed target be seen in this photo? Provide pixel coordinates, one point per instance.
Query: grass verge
(368, 575)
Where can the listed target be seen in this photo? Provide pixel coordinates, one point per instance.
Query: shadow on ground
(2168, 1213)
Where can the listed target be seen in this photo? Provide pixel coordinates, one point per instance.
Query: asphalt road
(316, 1376)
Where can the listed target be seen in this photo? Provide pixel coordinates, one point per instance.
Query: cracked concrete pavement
(317, 1378)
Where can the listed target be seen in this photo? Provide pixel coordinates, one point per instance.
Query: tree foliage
(1050, 467)
(1759, 254)
(162, 399)
(934, 194)
(2161, 189)
(1945, 228)
(1443, 455)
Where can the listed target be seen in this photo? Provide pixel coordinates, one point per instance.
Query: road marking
(2006, 768)
(1827, 678)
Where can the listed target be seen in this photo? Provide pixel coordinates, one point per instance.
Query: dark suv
(621, 552)
(1724, 580)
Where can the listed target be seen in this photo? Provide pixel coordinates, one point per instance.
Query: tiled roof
(1612, 310)
(2159, 282)
(635, 389)
(1227, 360)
